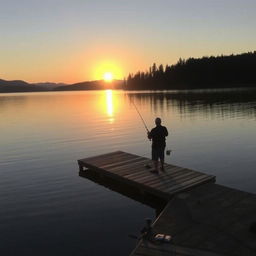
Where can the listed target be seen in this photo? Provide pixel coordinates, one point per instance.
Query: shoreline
(227, 87)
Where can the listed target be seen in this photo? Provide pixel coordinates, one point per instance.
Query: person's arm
(149, 136)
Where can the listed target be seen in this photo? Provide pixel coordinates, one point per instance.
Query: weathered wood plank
(123, 163)
(161, 174)
(153, 175)
(176, 177)
(130, 168)
(107, 155)
(172, 183)
(109, 160)
(164, 185)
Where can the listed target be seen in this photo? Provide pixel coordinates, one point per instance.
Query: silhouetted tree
(206, 72)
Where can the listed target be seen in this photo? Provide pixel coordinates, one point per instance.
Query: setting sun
(107, 70)
(108, 76)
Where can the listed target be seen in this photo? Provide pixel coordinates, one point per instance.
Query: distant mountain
(49, 85)
(18, 86)
(92, 85)
(14, 83)
(22, 86)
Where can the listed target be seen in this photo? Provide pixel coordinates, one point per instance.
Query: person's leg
(155, 159)
(162, 165)
(161, 156)
(156, 165)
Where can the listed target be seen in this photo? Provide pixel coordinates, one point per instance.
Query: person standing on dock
(158, 135)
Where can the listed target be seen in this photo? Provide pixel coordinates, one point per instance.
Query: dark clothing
(158, 153)
(158, 135)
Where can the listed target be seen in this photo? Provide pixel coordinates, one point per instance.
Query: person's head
(158, 121)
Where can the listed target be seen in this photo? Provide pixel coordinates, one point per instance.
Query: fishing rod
(140, 116)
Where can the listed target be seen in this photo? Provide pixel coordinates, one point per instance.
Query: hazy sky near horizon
(76, 40)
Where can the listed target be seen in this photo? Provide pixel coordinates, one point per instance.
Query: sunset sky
(77, 40)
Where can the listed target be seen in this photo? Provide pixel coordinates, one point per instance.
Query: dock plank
(180, 175)
(127, 161)
(163, 174)
(105, 161)
(130, 168)
(107, 156)
(165, 186)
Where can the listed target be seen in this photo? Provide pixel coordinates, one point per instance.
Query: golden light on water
(109, 103)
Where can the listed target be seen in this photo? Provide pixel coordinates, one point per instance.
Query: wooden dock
(131, 170)
(208, 220)
(203, 218)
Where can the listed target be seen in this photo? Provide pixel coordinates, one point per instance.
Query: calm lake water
(47, 209)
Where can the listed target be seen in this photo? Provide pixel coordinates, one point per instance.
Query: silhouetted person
(158, 135)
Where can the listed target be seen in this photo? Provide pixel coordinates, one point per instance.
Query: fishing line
(140, 116)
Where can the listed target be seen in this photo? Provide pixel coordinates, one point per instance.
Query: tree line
(206, 72)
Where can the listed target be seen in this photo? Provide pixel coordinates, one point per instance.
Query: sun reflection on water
(110, 105)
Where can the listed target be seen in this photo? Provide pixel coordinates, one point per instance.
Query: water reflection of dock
(203, 218)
